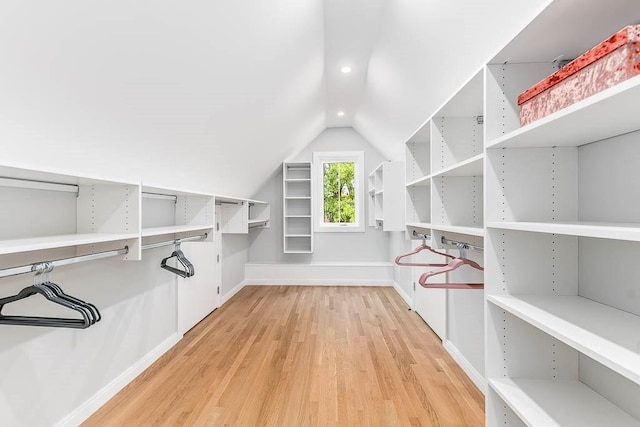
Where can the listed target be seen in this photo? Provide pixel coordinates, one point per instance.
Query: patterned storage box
(609, 63)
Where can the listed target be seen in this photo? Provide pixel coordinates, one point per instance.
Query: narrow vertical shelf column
(387, 194)
(297, 207)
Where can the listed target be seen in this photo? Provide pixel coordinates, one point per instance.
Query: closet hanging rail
(421, 235)
(160, 196)
(175, 242)
(37, 185)
(25, 269)
(229, 203)
(462, 245)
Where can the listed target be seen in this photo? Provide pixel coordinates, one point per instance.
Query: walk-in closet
(320, 213)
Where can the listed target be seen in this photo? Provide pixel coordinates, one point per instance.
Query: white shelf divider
(607, 335)
(582, 122)
(558, 403)
(603, 230)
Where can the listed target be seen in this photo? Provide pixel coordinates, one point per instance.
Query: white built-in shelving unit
(297, 207)
(240, 216)
(457, 161)
(169, 213)
(563, 230)
(418, 180)
(445, 199)
(385, 195)
(66, 214)
(445, 167)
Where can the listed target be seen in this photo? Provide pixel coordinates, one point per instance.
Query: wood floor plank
(303, 356)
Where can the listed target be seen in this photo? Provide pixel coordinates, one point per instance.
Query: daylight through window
(337, 188)
(339, 192)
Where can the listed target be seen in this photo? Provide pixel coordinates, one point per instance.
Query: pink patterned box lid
(629, 34)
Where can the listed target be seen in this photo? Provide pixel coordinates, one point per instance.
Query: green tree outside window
(339, 192)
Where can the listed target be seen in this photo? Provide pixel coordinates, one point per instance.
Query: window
(338, 191)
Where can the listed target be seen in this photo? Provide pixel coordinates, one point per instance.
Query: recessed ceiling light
(346, 69)
(340, 113)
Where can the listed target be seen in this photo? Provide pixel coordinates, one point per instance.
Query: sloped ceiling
(199, 94)
(213, 95)
(425, 50)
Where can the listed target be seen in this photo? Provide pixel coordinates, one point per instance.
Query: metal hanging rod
(462, 245)
(258, 224)
(175, 242)
(421, 235)
(66, 261)
(229, 203)
(147, 195)
(37, 185)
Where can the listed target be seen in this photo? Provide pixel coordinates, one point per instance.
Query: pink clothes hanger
(453, 265)
(421, 264)
(421, 248)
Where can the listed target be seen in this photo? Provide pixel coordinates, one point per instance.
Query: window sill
(339, 228)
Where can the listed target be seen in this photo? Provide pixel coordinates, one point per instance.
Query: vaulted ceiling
(215, 95)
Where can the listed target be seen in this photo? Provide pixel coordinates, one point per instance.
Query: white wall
(370, 246)
(425, 51)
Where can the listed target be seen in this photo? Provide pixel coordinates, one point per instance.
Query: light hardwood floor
(303, 356)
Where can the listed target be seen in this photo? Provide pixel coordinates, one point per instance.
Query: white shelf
(603, 230)
(379, 193)
(471, 231)
(60, 241)
(605, 334)
(604, 115)
(425, 225)
(469, 167)
(297, 235)
(298, 180)
(564, 403)
(297, 216)
(158, 231)
(298, 198)
(420, 182)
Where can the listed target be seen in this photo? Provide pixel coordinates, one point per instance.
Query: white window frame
(319, 158)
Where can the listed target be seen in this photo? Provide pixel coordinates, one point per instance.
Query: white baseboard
(85, 410)
(315, 274)
(405, 296)
(226, 297)
(473, 374)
